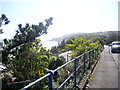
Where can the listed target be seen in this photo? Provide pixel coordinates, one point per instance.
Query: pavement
(105, 75)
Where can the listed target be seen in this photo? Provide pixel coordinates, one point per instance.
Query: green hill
(88, 35)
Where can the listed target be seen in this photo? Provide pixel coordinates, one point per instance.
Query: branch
(27, 34)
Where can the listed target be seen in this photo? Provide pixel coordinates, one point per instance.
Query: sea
(49, 44)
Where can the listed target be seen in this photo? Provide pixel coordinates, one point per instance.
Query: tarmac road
(116, 56)
(105, 75)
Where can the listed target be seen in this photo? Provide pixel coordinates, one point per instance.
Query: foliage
(24, 55)
(56, 62)
(81, 45)
(24, 35)
(29, 61)
(55, 50)
(100, 37)
(3, 21)
(26, 58)
(61, 47)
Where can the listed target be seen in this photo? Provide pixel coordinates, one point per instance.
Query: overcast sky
(69, 16)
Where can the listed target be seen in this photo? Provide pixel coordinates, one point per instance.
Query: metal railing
(81, 64)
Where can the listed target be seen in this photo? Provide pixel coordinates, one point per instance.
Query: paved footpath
(105, 75)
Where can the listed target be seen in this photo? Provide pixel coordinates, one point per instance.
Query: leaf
(3, 16)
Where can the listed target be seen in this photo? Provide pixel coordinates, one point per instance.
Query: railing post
(75, 76)
(75, 71)
(50, 79)
(92, 56)
(89, 59)
(67, 57)
(95, 53)
(84, 60)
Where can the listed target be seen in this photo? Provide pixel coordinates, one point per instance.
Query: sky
(69, 16)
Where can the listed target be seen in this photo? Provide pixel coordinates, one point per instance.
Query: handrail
(63, 65)
(65, 81)
(91, 54)
(38, 80)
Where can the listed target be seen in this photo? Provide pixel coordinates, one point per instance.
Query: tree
(3, 21)
(24, 55)
(24, 35)
(29, 61)
(80, 45)
(61, 47)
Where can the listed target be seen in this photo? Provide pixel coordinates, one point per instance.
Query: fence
(79, 68)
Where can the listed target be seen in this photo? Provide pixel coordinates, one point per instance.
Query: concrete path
(105, 75)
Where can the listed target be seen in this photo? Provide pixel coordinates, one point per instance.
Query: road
(116, 56)
(106, 72)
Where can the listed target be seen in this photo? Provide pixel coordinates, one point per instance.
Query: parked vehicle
(115, 48)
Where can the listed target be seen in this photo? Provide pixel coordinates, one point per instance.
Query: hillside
(68, 36)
